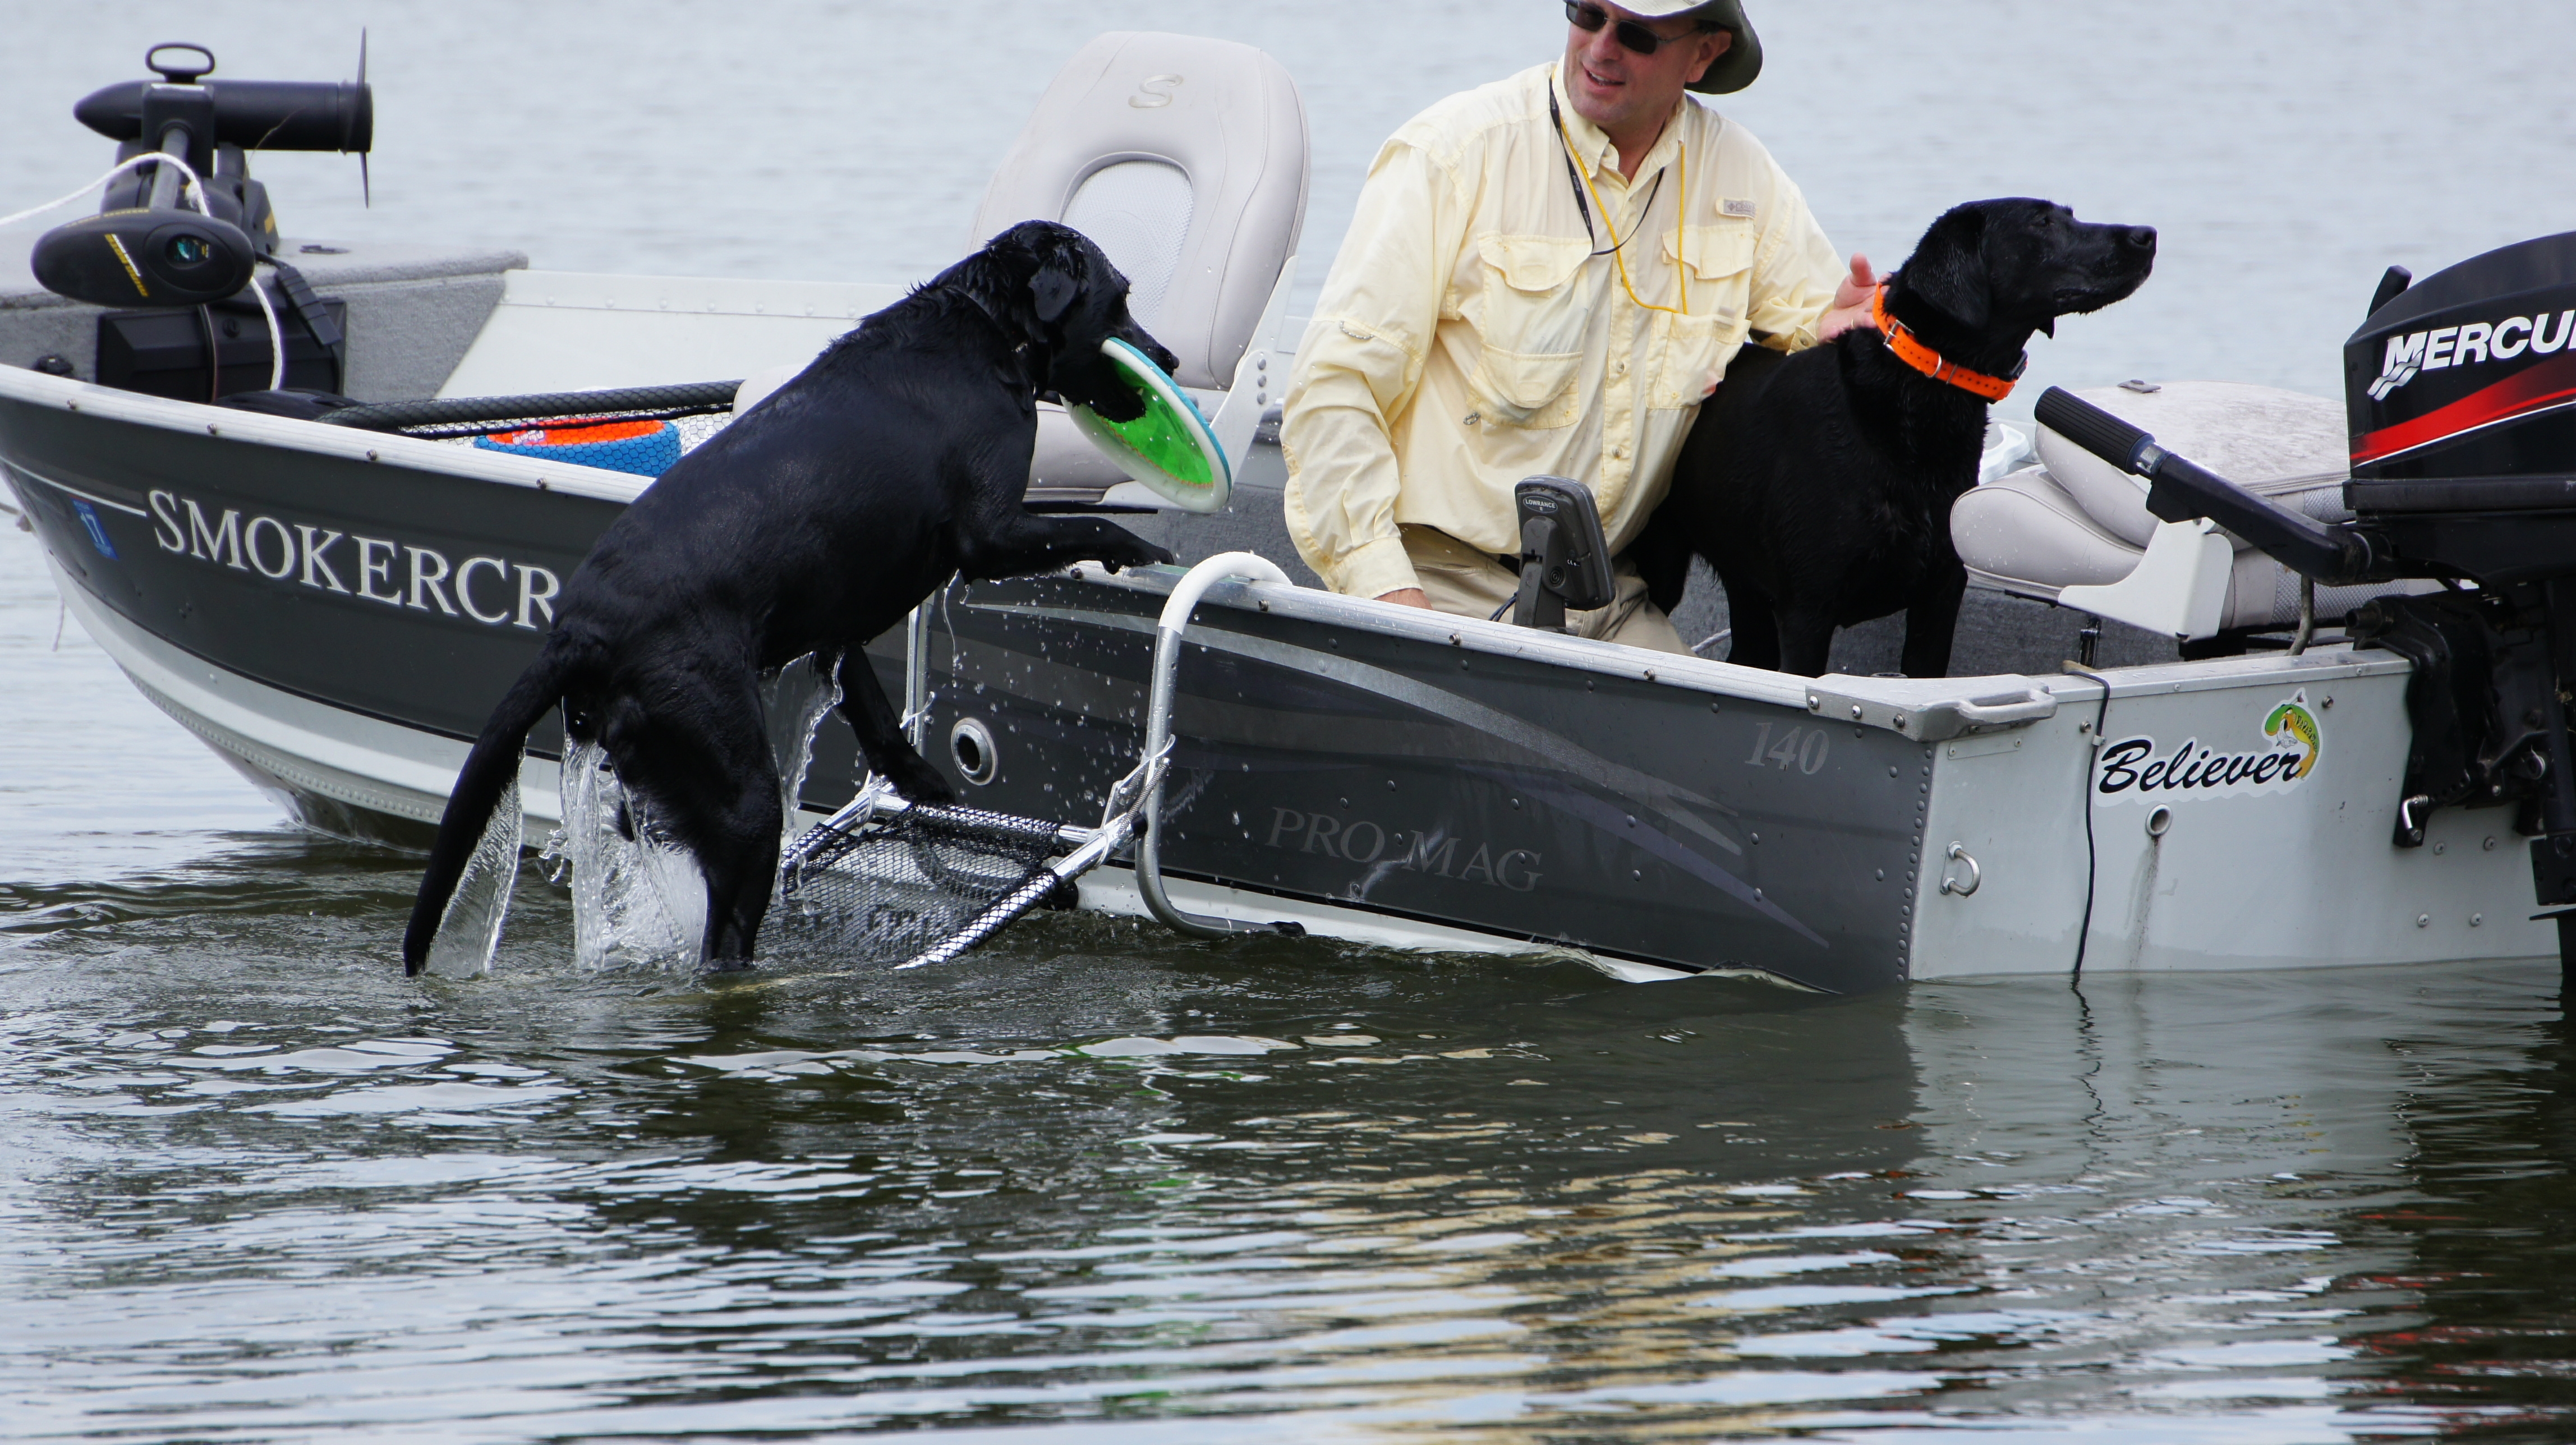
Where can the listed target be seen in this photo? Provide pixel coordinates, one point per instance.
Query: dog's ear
(1948, 268)
(1056, 283)
(1054, 292)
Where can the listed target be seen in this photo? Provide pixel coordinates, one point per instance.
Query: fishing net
(914, 884)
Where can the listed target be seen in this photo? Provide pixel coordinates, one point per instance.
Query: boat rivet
(1641, 873)
(1891, 770)
(2439, 847)
(2490, 845)
(1882, 875)
(371, 456)
(1855, 710)
(1650, 674)
(1757, 895)
(1900, 719)
(1453, 637)
(1265, 604)
(1814, 702)
(1390, 785)
(210, 430)
(2423, 920)
(2476, 918)
(1757, 837)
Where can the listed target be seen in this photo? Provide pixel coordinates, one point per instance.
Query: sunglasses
(1631, 35)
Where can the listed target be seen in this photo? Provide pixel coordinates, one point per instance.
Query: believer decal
(2141, 770)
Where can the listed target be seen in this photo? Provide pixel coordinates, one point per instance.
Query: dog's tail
(487, 773)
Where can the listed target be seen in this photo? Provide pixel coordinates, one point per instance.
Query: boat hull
(336, 612)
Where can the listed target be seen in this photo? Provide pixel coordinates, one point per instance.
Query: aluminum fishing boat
(334, 604)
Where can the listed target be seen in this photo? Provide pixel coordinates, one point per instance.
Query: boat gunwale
(368, 448)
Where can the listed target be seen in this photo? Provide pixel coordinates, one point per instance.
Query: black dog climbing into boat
(1819, 485)
(812, 523)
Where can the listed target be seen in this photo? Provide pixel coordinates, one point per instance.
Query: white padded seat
(1185, 160)
(2076, 520)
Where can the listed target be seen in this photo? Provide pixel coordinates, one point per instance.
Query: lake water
(1092, 1184)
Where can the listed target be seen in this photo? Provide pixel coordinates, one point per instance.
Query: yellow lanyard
(1583, 172)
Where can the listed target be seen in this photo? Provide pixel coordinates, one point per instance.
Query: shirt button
(1620, 452)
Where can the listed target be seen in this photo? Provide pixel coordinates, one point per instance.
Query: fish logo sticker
(2143, 770)
(2291, 726)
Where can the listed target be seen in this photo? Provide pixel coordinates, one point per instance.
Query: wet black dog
(1819, 485)
(813, 523)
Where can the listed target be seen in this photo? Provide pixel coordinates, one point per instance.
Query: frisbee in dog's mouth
(1169, 449)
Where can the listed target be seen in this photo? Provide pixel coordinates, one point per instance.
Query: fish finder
(1565, 561)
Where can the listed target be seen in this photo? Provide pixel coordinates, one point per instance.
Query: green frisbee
(1170, 448)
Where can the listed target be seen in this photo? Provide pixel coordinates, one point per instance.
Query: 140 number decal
(1801, 748)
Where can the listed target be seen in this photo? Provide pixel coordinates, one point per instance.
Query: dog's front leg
(880, 730)
(1932, 621)
(1022, 545)
(1806, 639)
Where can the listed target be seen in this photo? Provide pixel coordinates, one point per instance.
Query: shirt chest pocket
(1689, 351)
(1534, 306)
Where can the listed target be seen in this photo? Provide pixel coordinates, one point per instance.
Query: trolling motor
(1565, 560)
(2461, 395)
(149, 247)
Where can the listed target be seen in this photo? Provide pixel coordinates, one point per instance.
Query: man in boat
(1547, 275)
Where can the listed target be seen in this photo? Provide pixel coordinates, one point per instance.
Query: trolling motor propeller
(146, 248)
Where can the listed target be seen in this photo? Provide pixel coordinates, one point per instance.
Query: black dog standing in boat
(1819, 485)
(813, 523)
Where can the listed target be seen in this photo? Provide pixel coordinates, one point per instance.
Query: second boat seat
(2077, 520)
(1185, 160)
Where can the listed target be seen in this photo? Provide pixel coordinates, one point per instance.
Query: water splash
(794, 702)
(637, 896)
(469, 932)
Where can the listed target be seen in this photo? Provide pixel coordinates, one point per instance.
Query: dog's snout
(2139, 238)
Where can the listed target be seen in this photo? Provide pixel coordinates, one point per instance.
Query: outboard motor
(2461, 393)
(150, 248)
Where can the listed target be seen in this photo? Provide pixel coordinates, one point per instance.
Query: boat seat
(2076, 520)
(1185, 160)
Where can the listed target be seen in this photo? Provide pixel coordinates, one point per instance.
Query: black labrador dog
(1819, 485)
(813, 523)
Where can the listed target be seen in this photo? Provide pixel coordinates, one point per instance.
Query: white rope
(276, 336)
(146, 159)
(193, 192)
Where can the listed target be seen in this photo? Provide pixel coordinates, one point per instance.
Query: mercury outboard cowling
(2461, 393)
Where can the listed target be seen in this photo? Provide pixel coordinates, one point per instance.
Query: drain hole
(970, 745)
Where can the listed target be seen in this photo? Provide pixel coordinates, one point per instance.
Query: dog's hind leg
(1932, 622)
(880, 730)
(707, 776)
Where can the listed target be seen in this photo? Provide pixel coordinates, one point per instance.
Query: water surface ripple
(1096, 1185)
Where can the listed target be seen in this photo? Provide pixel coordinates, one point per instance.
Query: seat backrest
(1185, 160)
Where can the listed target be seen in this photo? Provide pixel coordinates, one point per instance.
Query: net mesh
(889, 889)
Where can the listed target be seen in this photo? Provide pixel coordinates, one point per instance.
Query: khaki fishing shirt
(1468, 337)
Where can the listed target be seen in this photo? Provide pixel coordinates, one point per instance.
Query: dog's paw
(1143, 554)
(920, 782)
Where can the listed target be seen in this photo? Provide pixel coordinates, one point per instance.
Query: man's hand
(1851, 301)
(1406, 597)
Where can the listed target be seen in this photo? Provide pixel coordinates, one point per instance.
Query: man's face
(1621, 91)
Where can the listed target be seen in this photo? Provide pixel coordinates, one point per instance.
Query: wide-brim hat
(1742, 61)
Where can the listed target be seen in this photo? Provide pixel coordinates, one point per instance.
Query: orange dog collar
(1910, 349)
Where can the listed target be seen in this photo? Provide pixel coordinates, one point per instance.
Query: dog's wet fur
(1818, 486)
(813, 523)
